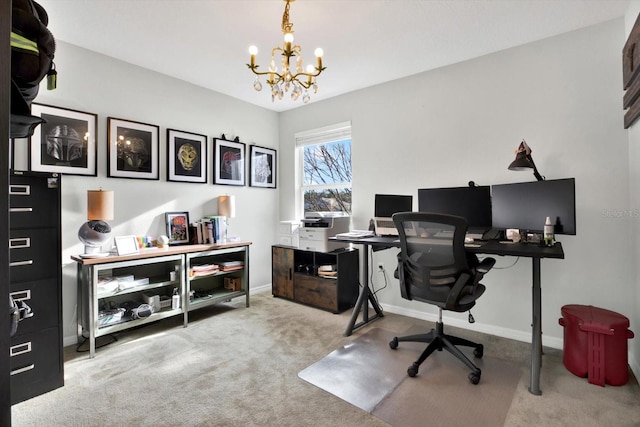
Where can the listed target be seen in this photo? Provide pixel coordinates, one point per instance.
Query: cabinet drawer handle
(21, 295)
(19, 263)
(20, 242)
(20, 349)
(21, 370)
(19, 190)
(12, 210)
(290, 274)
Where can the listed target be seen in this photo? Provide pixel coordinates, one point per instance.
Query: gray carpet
(371, 376)
(238, 366)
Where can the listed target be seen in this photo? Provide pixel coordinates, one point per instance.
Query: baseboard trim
(551, 342)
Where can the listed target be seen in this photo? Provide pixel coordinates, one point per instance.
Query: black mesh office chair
(434, 267)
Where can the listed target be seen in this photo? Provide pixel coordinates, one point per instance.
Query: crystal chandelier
(296, 79)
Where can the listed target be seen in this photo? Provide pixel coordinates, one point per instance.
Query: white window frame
(323, 135)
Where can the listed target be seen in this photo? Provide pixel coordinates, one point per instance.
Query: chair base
(438, 340)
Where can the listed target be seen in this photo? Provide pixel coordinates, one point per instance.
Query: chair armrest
(399, 274)
(454, 295)
(485, 265)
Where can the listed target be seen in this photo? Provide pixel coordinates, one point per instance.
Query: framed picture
(263, 167)
(228, 160)
(132, 149)
(126, 245)
(66, 143)
(186, 156)
(177, 227)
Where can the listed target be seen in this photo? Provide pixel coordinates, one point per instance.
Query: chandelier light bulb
(310, 69)
(253, 50)
(288, 38)
(318, 52)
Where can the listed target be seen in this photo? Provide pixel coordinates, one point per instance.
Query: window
(324, 174)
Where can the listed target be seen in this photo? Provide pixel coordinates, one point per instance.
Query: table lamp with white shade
(227, 208)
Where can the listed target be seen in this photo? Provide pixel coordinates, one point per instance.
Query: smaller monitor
(388, 204)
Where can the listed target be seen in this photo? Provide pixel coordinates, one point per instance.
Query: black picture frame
(186, 156)
(177, 227)
(66, 143)
(229, 162)
(263, 162)
(132, 149)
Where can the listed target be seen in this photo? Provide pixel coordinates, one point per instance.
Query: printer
(317, 227)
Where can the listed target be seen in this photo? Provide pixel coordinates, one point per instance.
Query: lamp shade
(227, 206)
(522, 162)
(99, 205)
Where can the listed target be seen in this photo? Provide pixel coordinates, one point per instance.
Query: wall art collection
(67, 143)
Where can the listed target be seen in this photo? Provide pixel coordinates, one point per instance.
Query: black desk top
(491, 247)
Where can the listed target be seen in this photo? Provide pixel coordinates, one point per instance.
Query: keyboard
(385, 224)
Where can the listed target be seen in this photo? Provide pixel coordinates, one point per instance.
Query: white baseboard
(551, 342)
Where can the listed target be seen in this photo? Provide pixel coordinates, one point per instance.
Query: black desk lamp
(524, 161)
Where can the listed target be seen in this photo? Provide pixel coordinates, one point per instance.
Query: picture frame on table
(177, 227)
(186, 156)
(229, 162)
(262, 168)
(65, 143)
(126, 245)
(132, 149)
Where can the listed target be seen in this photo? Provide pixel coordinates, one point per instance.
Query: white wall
(634, 197)
(463, 122)
(98, 84)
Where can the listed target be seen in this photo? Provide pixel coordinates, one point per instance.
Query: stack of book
(328, 271)
(231, 265)
(209, 230)
(203, 270)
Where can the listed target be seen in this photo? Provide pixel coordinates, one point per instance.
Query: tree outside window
(326, 181)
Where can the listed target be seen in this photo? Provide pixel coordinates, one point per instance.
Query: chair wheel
(413, 370)
(474, 378)
(479, 351)
(393, 343)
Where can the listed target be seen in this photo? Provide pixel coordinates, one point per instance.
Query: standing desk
(492, 247)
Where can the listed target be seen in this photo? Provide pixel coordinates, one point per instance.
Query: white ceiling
(365, 42)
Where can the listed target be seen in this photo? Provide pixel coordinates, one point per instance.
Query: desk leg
(536, 338)
(364, 297)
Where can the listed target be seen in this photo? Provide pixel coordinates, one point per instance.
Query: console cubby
(296, 276)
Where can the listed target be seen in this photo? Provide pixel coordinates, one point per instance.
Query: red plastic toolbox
(595, 344)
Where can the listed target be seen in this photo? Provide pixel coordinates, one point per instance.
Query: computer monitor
(388, 204)
(384, 208)
(526, 205)
(472, 203)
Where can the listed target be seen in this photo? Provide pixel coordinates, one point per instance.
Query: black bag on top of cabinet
(32, 52)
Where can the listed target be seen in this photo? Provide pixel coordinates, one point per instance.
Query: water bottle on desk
(548, 232)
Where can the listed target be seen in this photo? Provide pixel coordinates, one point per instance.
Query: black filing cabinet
(35, 272)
